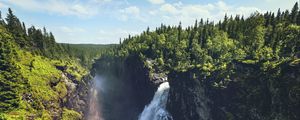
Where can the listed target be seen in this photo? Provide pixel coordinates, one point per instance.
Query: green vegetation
(242, 68)
(71, 115)
(207, 46)
(37, 74)
(86, 53)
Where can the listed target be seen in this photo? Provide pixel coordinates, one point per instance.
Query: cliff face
(188, 99)
(77, 96)
(51, 89)
(132, 86)
(39, 78)
(73, 93)
(252, 93)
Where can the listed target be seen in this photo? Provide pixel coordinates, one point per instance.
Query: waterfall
(156, 110)
(94, 105)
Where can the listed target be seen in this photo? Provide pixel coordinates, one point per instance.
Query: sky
(106, 21)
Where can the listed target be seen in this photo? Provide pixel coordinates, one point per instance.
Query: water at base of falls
(156, 110)
(94, 112)
(112, 99)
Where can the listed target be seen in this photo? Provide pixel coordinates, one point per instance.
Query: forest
(35, 71)
(236, 61)
(238, 68)
(266, 39)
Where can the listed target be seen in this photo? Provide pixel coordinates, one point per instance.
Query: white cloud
(74, 34)
(71, 30)
(188, 13)
(282, 4)
(79, 9)
(2, 5)
(152, 12)
(222, 6)
(132, 11)
(156, 1)
(104, 36)
(57, 6)
(168, 8)
(101, 1)
(223, 9)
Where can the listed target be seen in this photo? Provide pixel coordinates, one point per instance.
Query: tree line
(16, 41)
(208, 46)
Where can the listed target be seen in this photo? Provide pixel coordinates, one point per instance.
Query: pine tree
(294, 13)
(196, 25)
(24, 28)
(225, 23)
(15, 27)
(278, 16)
(179, 31)
(148, 30)
(272, 20)
(254, 39)
(9, 74)
(298, 18)
(1, 19)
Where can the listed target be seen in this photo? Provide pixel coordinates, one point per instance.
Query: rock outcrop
(132, 82)
(188, 99)
(251, 94)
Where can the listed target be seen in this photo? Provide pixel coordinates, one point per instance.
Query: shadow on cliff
(123, 88)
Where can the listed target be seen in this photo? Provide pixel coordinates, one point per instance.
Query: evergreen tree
(298, 18)
(9, 74)
(278, 16)
(1, 19)
(294, 13)
(225, 23)
(15, 27)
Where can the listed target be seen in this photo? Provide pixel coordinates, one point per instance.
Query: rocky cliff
(252, 93)
(129, 86)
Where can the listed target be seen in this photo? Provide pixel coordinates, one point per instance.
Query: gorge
(193, 99)
(241, 68)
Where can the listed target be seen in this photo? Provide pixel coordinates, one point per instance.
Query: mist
(115, 97)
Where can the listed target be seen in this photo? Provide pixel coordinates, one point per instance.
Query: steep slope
(39, 78)
(126, 87)
(252, 93)
(40, 87)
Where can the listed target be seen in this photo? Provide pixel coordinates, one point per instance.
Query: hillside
(86, 53)
(238, 68)
(39, 78)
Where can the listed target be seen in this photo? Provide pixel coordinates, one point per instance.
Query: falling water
(110, 100)
(156, 110)
(94, 111)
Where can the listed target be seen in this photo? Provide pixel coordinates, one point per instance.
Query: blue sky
(106, 21)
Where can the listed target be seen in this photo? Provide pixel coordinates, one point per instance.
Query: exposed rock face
(132, 85)
(139, 77)
(187, 98)
(79, 98)
(159, 78)
(77, 93)
(253, 94)
(155, 75)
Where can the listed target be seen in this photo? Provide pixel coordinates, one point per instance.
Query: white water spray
(94, 105)
(156, 110)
